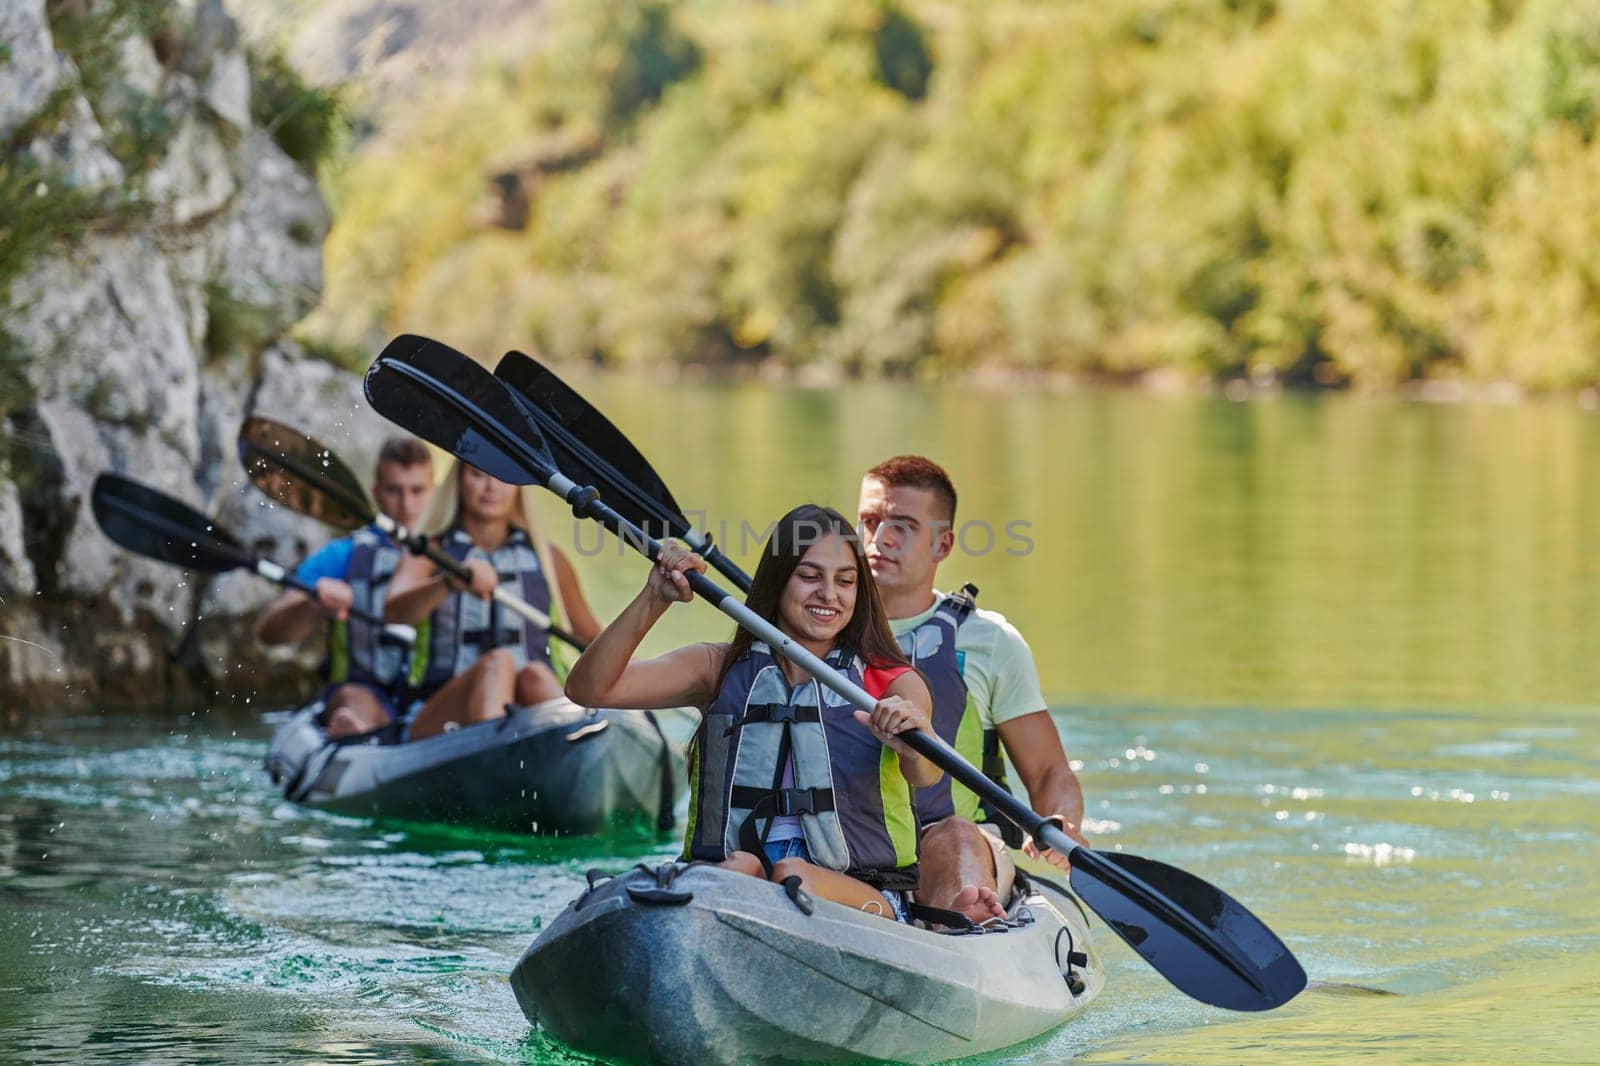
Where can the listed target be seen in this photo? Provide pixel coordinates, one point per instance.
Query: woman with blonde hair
(473, 657)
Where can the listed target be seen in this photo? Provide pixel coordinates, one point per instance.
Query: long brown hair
(867, 633)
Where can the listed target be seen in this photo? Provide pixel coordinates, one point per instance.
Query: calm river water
(1336, 656)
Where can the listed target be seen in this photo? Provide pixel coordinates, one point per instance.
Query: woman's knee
(744, 863)
(536, 683)
(343, 722)
(497, 671)
(784, 869)
(497, 663)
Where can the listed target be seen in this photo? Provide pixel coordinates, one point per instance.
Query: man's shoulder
(985, 626)
(344, 540)
(330, 560)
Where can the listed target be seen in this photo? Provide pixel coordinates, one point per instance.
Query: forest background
(1300, 192)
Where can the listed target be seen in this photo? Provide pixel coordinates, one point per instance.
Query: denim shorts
(792, 848)
(795, 848)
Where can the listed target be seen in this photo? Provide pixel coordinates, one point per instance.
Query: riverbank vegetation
(1299, 191)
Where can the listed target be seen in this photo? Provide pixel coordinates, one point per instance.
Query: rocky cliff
(159, 237)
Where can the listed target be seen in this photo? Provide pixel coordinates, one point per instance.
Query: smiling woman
(766, 720)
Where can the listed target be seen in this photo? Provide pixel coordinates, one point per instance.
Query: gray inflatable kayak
(694, 964)
(554, 768)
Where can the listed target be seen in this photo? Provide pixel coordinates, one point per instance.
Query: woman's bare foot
(978, 903)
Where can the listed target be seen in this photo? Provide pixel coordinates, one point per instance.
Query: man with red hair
(986, 694)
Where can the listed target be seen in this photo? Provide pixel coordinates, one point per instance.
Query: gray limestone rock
(315, 398)
(110, 333)
(76, 149)
(141, 70)
(207, 33)
(195, 257)
(35, 657)
(88, 565)
(120, 335)
(16, 572)
(323, 400)
(194, 179)
(276, 532)
(227, 90)
(30, 70)
(272, 251)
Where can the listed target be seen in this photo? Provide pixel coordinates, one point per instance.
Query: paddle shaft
(239, 557)
(701, 543)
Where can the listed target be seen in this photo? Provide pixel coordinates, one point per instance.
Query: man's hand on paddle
(668, 578)
(1051, 855)
(335, 596)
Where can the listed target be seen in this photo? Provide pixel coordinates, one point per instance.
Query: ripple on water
(158, 900)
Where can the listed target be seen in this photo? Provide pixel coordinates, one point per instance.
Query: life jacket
(464, 627)
(358, 650)
(853, 803)
(931, 647)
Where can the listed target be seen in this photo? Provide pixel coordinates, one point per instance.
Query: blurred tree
(1309, 192)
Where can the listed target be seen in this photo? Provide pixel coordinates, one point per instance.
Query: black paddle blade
(299, 473)
(592, 451)
(151, 523)
(443, 396)
(1200, 938)
(588, 448)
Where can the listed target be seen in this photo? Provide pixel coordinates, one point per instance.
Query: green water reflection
(1333, 656)
(1282, 552)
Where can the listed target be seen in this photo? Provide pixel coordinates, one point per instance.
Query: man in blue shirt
(366, 668)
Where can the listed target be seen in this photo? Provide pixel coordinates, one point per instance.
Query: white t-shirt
(999, 668)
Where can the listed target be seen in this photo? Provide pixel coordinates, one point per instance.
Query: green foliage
(39, 213)
(234, 326)
(904, 63)
(90, 33)
(350, 358)
(307, 122)
(140, 132)
(650, 57)
(1315, 192)
(609, 60)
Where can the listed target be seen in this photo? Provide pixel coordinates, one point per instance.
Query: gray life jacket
(853, 803)
(358, 650)
(931, 647)
(464, 627)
